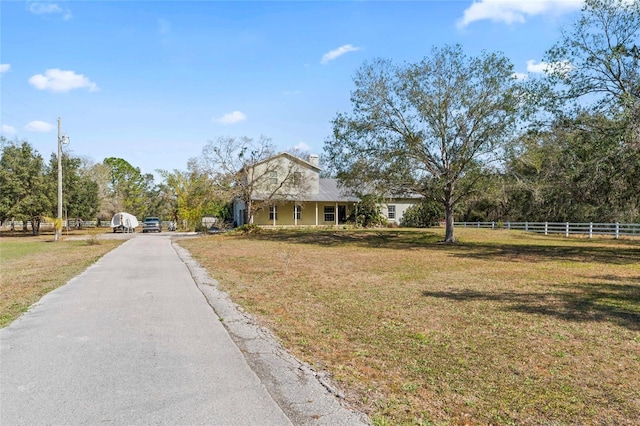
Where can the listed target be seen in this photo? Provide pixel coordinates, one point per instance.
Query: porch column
(336, 216)
(316, 213)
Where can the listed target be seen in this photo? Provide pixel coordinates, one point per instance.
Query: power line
(30, 108)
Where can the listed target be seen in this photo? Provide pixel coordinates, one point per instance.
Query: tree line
(478, 143)
(90, 191)
(97, 191)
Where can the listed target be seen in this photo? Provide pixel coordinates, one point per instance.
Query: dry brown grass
(502, 328)
(30, 267)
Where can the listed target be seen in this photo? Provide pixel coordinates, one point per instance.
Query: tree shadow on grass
(627, 252)
(361, 238)
(617, 303)
(534, 248)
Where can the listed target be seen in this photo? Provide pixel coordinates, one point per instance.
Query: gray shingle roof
(330, 191)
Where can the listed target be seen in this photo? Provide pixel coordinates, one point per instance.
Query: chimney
(314, 159)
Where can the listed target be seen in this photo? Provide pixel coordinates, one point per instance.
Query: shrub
(423, 215)
(249, 228)
(93, 237)
(367, 213)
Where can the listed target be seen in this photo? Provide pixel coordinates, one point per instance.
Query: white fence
(566, 228)
(18, 225)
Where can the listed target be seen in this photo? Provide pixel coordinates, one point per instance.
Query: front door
(342, 214)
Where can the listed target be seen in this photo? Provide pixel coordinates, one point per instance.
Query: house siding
(312, 214)
(401, 207)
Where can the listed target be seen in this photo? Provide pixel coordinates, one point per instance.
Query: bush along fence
(590, 229)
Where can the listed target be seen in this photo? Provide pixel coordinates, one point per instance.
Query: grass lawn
(30, 267)
(502, 328)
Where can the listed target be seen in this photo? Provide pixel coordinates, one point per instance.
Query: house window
(391, 212)
(273, 177)
(297, 212)
(329, 214)
(297, 178)
(273, 212)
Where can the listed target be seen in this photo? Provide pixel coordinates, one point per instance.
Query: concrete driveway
(144, 337)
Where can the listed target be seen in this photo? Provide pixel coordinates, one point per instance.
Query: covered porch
(307, 213)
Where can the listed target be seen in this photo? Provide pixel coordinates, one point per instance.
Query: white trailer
(124, 222)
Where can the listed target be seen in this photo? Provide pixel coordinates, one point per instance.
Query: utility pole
(59, 224)
(62, 140)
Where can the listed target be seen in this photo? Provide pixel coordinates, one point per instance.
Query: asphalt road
(138, 339)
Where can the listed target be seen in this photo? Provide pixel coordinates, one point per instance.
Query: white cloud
(38, 8)
(4, 68)
(8, 130)
(543, 67)
(515, 11)
(61, 81)
(231, 118)
(330, 56)
(38, 126)
(302, 147)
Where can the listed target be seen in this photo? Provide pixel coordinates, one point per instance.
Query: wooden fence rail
(567, 228)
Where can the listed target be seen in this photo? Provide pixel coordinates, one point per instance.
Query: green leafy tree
(366, 213)
(101, 175)
(192, 195)
(576, 171)
(128, 189)
(79, 191)
(25, 191)
(422, 127)
(424, 214)
(489, 201)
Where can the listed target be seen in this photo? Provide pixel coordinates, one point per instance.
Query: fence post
(566, 232)
(493, 225)
(478, 224)
(526, 226)
(546, 228)
(590, 229)
(617, 230)
(509, 225)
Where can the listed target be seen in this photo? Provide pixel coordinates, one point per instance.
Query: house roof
(290, 157)
(329, 190)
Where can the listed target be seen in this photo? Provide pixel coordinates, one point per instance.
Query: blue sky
(153, 81)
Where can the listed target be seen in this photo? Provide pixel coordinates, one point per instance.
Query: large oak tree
(424, 127)
(79, 190)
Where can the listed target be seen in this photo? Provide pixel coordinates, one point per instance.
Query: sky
(153, 81)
